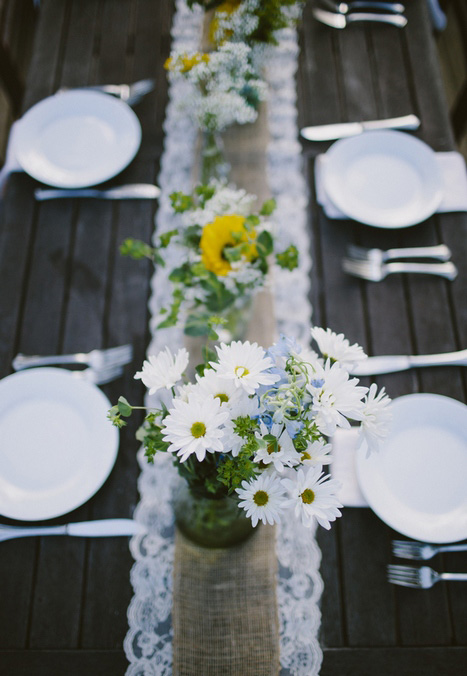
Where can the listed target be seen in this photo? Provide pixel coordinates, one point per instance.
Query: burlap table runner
(225, 617)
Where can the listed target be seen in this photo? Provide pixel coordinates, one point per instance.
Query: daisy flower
(211, 384)
(246, 364)
(313, 496)
(194, 426)
(335, 397)
(317, 453)
(376, 418)
(163, 370)
(262, 499)
(336, 347)
(282, 454)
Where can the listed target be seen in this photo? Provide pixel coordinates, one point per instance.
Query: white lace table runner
(148, 644)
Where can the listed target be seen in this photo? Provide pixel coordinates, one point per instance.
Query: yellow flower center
(261, 498)
(272, 449)
(198, 429)
(225, 231)
(223, 397)
(305, 456)
(241, 371)
(308, 496)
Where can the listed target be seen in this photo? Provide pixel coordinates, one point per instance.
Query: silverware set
(341, 14)
(372, 265)
(423, 577)
(103, 366)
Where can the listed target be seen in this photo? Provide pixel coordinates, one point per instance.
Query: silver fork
(129, 93)
(421, 578)
(440, 252)
(96, 359)
(421, 551)
(99, 376)
(375, 271)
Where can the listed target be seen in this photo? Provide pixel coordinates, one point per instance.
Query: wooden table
(66, 288)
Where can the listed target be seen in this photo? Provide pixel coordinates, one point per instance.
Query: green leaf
(197, 325)
(124, 407)
(181, 202)
(252, 220)
(288, 259)
(264, 244)
(268, 207)
(136, 249)
(166, 237)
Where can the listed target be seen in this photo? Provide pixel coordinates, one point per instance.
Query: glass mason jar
(213, 162)
(208, 521)
(238, 318)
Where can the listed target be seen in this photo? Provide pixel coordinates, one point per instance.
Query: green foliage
(232, 471)
(181, 202)
(172, 318)
(288, 259)
(268, 207)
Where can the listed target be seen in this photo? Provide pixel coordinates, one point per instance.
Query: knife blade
(97, 528)
(391, 363)
(329, 132)
(119, 192)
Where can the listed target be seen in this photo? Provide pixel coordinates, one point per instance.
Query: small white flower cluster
(272, 410)
(226, 199)
(239, 24)
(226, 89)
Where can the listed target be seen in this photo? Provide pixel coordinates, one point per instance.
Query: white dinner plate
(77, 138)
(383, 178)
(417, 483)
(57, 446)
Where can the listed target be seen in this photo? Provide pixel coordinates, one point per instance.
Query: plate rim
(335, 195)
(114, 442)
(361, 457)
(109, 100)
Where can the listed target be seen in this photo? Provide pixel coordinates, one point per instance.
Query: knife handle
(45, 194)
(448, 359)
(393, 19)
(404, 122)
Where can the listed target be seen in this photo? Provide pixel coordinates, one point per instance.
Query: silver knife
(392, 363)
(328, 132)
(99, 528)
(131, 191)
(342, 20)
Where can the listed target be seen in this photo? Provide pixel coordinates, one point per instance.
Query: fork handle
(453, 548)
(454, 577)
(441, 252)
(23, 361)
(447, 270)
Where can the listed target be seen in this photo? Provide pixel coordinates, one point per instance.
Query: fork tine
(357, 251)
(402, 583)
(358, 268)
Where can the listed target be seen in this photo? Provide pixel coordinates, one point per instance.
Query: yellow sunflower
(224, 231)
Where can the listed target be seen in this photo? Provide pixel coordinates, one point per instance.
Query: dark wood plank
(44, 71)
(69, 662)
(388, 662)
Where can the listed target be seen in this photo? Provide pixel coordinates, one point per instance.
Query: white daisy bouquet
(226, 250)
(226, 88)
(255, 424)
